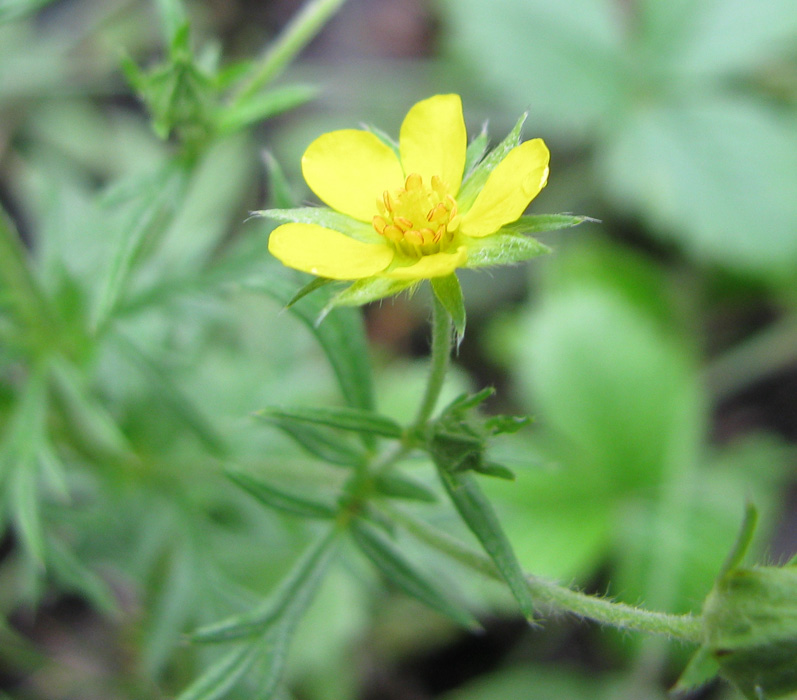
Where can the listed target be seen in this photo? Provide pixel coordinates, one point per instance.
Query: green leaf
(328, 446)
(449, 294)
(285, 604)
(170, 394)
(397, 569)
(71, 574)
(309, 288)
(475, 182)
(222, 676)
(278, 499)
(479, 516)
(400, 486)
(342, 417)
(504, 249)
(322, 216)
(27, 510)
(262, 106)
(342, 337)
(280, 194)
(175, 24)
(702, 668)
(497, 471)
(539, 223)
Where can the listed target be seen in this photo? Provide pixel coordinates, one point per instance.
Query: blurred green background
(657, 349)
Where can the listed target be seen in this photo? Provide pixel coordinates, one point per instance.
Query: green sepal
(475, 182)
(465, 402)
(504, 248)
(278, 499)
(309, 288)
(288, 601)
(325, 444)
(391, 562)
(400, 486)
(262, 106)
(743, 540)
(540, 223)
(341, 417)
(449, 293)
(366, 291)
(476, 150)
(322, 216)
(478, 514)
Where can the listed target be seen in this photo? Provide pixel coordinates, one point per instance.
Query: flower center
(418, 219)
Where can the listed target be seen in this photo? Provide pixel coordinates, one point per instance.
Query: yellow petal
(350, 169)
(433, 140)
(436, 265)
(514, 182)
(327, 253)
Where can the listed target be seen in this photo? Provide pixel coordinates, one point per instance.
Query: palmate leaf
(389, 560)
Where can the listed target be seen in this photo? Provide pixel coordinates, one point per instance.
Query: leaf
(479, 516)
(504, 249)
(342, 417)
(222, 676)
(341, 336)
(27, 511)
(71, 574)
(278, 499)
(262, 106)
(280, 194)
(449, 294)
(322, 216)
(328, 446)
(309, 288)
(475, 182)
(702, 668)
(286, 603)
(400, 486)
(169, 393)
(397, 569)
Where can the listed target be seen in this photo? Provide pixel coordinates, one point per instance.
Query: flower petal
(435, 265)
(327, 253)
(350, 169)
(433, 140)
(514, 182)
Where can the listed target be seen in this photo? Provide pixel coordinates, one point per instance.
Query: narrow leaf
(449, 293)
(280, 194)
(278, 499)
(27, 510)
(322, 216)
(342, 417)
(287, 602)
(264, 105)
(342, 337)
(386, 557)
(504, 249)
(400, 486)
(223, 675)
(319, 442)
(479, 516)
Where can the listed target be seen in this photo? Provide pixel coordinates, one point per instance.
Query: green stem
(558, 598)
(23, 289)
(304, 26)
(442, 344)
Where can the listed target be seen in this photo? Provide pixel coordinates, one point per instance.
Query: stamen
(379, 224)
(414, 182)
(403, 222)
(393, 233)
(387, 201)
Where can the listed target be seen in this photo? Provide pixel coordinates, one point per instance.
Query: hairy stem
(442, 343)
(304, 26)
(552, 595)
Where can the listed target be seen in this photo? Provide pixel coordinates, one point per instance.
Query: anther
(413, 182)
(379, 224)
(386, 200)
(403, 222)
(393, 233)
(414, 237)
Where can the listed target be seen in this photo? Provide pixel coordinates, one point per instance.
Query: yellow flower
(421, 220)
